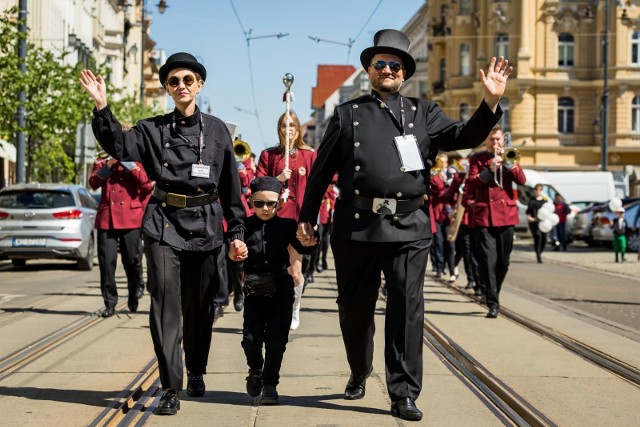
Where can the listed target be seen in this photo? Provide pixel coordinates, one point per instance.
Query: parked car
(582, 221)
(47, 221)
(602, 233)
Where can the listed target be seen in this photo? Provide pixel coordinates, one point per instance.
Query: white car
(47, 221)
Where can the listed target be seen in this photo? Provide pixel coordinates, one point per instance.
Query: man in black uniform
(189, 156)
(364, 142)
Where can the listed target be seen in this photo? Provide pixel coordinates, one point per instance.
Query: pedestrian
(269, 288)
(495, 213)
(294, 180)
(377, 143)
(539, 236)
(619, 227)
(125, 191)
(189, 156)
(561, 209)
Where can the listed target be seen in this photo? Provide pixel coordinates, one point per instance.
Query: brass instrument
(241, 150)
(438, 168)
(458, 213)
(510, 157)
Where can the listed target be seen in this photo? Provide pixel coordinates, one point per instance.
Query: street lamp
(162, 7)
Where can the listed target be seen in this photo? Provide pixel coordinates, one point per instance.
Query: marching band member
(294, 180)
(495, 213)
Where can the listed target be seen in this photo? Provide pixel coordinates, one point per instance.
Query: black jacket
(359, 145)
(167, 159)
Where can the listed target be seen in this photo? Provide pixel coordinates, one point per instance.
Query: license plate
(29, 241)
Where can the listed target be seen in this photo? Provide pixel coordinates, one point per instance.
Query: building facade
(553, 105)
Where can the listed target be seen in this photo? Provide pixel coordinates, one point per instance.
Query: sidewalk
(582, 256)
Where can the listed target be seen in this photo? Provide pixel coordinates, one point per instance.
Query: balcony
(98, 32)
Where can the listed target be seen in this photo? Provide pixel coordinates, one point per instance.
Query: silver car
(47, 221)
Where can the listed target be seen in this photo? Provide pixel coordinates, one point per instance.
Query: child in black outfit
(268, 288)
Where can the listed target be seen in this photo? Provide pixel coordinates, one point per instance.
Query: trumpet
(241, 150)
(510, 157)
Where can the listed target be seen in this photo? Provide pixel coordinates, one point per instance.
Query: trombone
(510, 157)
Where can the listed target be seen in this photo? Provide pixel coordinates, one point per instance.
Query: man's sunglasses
(188, 80)
(261, 204)
(393, 65)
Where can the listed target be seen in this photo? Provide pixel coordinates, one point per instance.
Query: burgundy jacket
(494, 206)
(126, 189)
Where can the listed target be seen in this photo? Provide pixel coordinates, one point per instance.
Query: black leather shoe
(238, 300)
(140, 292)
(269, 395)
(254, 382)
(169, 403)
(108, 312)
(493, 313)
(355, 389)
(133, 303)
(406, 409)
(218, 312)
(470, 285)
(195, 386)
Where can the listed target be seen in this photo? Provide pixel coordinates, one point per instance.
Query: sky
(209, 29)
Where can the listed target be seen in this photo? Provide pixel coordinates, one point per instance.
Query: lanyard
(399, 125)
(200, 138)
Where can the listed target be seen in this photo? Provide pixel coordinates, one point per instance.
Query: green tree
(56, 104)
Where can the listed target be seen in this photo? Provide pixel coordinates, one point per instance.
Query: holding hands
(96, 87)
(494, 81)
(238, 250)
(306, 235)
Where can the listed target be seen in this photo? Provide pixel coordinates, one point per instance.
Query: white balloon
(549, 207)
(543, 214)
(554, 219)
(615, 204)
(545, 226)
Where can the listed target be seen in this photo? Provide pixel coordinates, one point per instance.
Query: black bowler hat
(181, 60)
(266, 183)
(393, 42)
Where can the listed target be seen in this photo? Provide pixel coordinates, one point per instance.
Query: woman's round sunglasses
(188, 80)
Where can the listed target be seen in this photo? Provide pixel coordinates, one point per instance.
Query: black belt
(373, 204)
(184, 201)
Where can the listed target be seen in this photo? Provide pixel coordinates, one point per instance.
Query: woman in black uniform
(190, 157)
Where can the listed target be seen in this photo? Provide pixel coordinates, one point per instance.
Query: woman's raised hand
(96, 87)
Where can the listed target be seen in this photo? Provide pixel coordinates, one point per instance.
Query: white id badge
(410, 156)
(200, 171)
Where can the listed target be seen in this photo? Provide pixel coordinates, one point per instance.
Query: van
(583, 187)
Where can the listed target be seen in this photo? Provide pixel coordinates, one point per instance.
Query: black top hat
(181, 60)
(393, 42)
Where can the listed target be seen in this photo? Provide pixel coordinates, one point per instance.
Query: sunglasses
(393, 65)
(188, 80)
(259, 204)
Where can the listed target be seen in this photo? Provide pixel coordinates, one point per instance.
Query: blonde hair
(296, 143)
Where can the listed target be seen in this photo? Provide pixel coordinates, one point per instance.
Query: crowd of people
(213, 224)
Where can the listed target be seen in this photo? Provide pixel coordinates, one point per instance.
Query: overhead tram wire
(248, 38)
(351, 41)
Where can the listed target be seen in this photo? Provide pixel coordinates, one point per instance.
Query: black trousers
(437, 249)
(221, 297)
(539, 238)
(561, 232)
(131, 255)
(449, 248)
(464, 251)
(358, 268)
(266, 323)
(182, 285)
(494, 247)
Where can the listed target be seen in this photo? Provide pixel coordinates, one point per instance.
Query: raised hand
(96, 87)
(494, 81)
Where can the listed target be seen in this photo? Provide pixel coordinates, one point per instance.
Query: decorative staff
(287, 98)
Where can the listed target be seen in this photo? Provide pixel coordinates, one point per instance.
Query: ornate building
(554, 100)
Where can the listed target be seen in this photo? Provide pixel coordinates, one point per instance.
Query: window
(635, 114)
(465, 59)
(505, 120)
(465, 7)
(502, 45)
(635, 48)
(566, 112)
(566, 46)
(464, 112)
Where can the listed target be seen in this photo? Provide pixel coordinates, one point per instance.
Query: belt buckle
(177, 200)
(382, 206)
